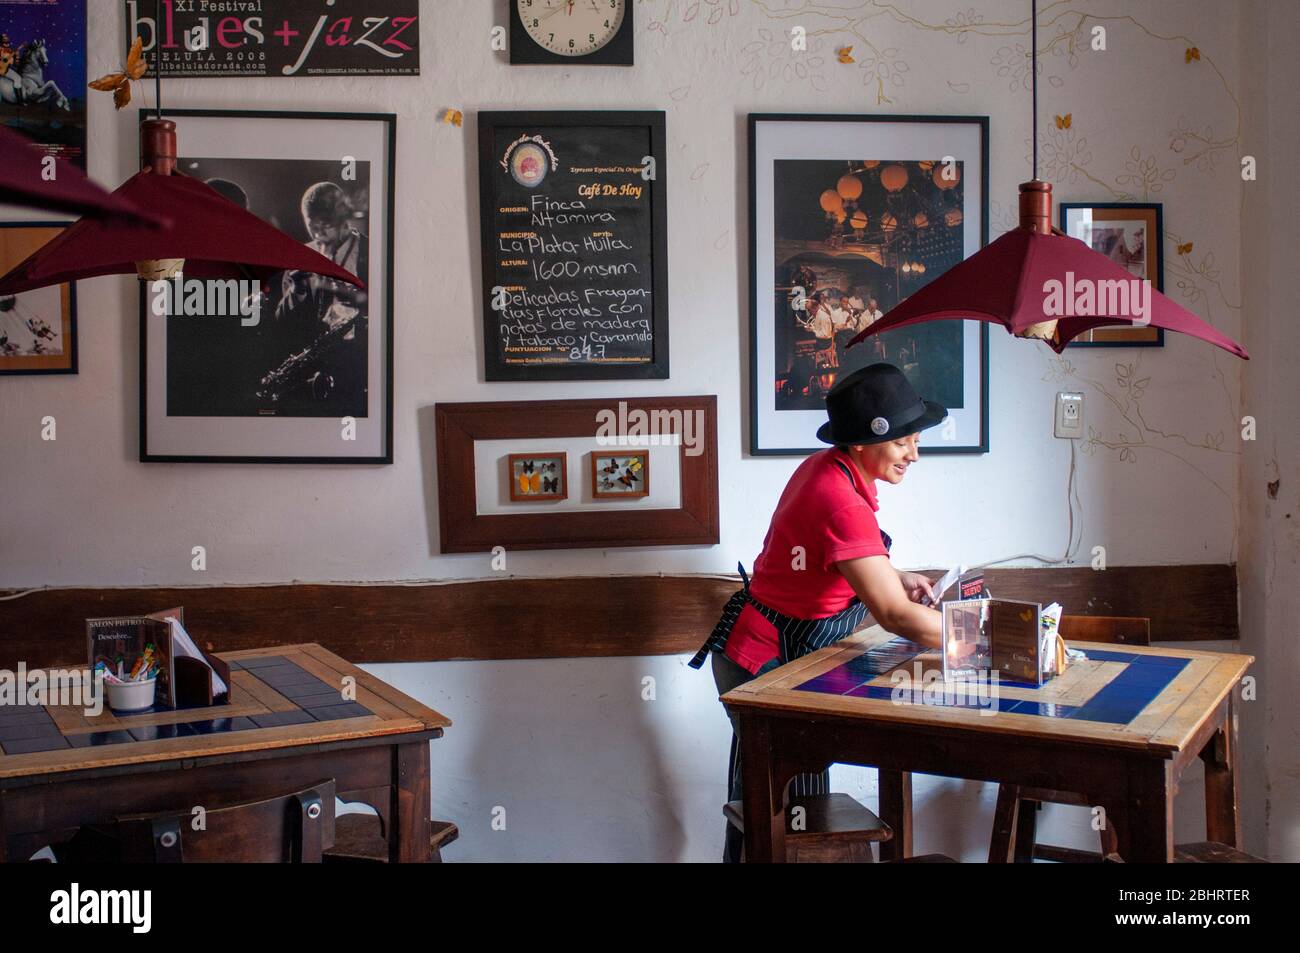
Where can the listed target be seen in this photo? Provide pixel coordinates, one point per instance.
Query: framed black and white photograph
(305, 377)
(849, 215)
(38, 328)
(1131, 234)
(574, 226)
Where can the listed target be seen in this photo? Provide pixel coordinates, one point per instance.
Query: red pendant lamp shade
(1024, 279)
(26, 180)
(215, 238)
(1039, 283)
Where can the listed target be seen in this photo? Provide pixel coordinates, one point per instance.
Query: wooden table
(287, 727)
(1119, 728)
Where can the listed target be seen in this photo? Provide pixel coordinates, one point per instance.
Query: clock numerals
(572, 28)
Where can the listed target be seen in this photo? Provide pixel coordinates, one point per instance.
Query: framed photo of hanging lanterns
(38, 329)
(849, 215)
(1131, 234)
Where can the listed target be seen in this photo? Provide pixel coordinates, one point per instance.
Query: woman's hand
(915, 585)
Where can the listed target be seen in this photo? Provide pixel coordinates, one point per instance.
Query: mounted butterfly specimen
(620, 476)
(537, 477)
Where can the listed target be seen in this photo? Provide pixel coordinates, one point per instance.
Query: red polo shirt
(832, 516)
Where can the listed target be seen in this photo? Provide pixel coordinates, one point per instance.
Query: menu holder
(188, 676)
(981, 636)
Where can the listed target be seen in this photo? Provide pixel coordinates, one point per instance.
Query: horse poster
(43, 74)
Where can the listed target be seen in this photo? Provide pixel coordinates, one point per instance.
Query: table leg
(410, 829)
(1145, 828)
(896, 811)
(4, 837)
(1222, 823)
(764, 793)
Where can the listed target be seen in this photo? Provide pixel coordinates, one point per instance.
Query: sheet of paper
(182, 644)
(944, 584)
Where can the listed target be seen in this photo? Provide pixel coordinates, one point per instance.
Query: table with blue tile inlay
(296, 714)
(1118, 728)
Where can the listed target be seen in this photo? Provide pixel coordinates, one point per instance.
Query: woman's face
(889, 459)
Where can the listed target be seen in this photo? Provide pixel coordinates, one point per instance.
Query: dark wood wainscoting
(560, 617)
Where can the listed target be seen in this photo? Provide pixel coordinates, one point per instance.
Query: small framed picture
(38, 329)
(1131, 235)
(538, 476)
(620, 475)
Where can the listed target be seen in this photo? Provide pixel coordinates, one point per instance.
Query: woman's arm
(878, 585)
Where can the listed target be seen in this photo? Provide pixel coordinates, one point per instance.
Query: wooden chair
(359, 838)
(294, 828)
(1015, 818)
(837, 829)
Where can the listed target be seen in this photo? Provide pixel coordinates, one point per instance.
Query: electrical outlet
(1069, 415)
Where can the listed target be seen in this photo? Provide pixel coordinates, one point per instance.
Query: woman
(825, 560)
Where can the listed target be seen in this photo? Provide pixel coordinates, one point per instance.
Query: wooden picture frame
(1129, 218)
(642, 475)
(841, 208)
(694, 522)
(560, 303)
(517, 495)
(201, 398)
(30, 321)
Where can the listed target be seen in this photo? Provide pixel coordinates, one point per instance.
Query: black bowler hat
(875, 404)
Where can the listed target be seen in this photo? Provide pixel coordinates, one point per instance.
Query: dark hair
(842, 447)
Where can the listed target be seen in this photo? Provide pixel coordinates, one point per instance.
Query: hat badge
(879, 426)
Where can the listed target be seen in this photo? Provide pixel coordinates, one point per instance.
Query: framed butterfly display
(538, 477)
(620, 476)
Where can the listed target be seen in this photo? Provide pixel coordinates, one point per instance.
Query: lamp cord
(157, 54)
(1033, 78)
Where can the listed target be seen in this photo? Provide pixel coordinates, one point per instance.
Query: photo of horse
(43, 74)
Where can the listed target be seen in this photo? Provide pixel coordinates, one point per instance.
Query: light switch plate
(1069, 415)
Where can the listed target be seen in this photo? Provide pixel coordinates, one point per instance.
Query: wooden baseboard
(569, 616)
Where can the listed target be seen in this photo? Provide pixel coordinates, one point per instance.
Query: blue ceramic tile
(97, 738)
(33, 745)
(835, 682)
(46, 729)
(235, 666)
(307, 690)
(1041, 709)
(1105, 655)
(334, 712)
(328, 700)
(263, 661)
(287, 681)
(276, 719)
(220, 725)
(28, 716)
(162, 732)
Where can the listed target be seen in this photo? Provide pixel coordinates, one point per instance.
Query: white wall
(1270, 559)
(589, 768)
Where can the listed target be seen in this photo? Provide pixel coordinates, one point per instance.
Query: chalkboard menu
(575, 262)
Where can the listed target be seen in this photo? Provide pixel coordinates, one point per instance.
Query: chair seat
(828, 816)
(1212, 852)
(359, 838)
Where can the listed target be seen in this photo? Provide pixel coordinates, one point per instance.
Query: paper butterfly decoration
(120, 83)
(1063, 122)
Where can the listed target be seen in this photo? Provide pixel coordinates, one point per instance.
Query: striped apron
(795, 638)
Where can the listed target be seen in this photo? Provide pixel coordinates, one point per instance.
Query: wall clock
(577, 32)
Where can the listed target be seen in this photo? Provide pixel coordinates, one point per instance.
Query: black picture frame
(384, 278)
(981, 123)
(655, 125)
(73, 355)
(619, 51)
(1156, 244)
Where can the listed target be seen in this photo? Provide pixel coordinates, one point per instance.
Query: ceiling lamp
(1039, 283)
(32, 179)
